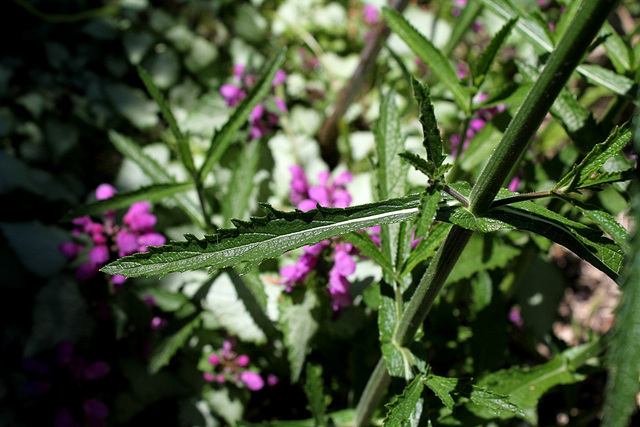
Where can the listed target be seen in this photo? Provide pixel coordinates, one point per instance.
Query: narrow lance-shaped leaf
(428, 206)
(432, 141)
(481, 66)
(588, 171)
(225, 136)
(401, 407)
(314, 389)
(157, 173)
(121, 200)
(181, 140)
(262, 238)
(430, 55)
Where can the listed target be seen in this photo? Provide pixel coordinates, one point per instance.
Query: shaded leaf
(157, 173)
(125, 199)
(368, 248)
(426, 248)
(482, 64)
(624, 349)
(236, 201)
(431, 134)
(428, 205)
(168, 346)
(314, 389)
(299, 324)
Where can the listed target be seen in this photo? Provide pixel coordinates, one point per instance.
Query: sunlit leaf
(402, 407)
(430, 55)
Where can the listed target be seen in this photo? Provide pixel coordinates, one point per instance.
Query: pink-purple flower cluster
(457, 10)
(107, 240)
(227, 365)
(262, 118)
(68, 372)
(480, 118)
(328, 193)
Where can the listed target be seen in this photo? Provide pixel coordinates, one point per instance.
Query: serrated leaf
(168, 347)
(402, 407)
(157, 173)
(446, 388)
(183, 143)
(624, 351)
(299, 324)
(121, 200)
(618, 51)
(431, 134)
(586, 242)
(416, 161)
(525, 386)
(586, 173)
(605, 221)
(261, 238)
(225, 136)
(430, 55)
(481, 66)
(314, 389)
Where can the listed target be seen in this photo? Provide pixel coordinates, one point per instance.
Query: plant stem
(566, 56)
(521, 198)
(586, 24)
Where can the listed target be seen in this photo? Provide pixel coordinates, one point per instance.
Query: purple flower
(370, 14)
(252, 380)
(208, 376)
(262, 120)
(158, 323)
(243, 360)
(105, 191)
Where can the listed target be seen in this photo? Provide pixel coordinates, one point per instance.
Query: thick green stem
(430, 285)
(567, 55)
(373, 392)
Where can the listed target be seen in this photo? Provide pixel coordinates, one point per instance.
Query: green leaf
(482, 64)
(526, 24)
(261, 238)
(586, 242)
(122, 200)
(624, 348)
(617, 49)
(428, 205)
(482, 253)
(426, 248)
(299, 324)
(157, 173)
(417, 162)
(314, 390)
(432, 141)
(446, 388)
(368, 248)
(401, 407)
(225, 136)
(182, 141)
(587, 173)
(611, 80)
(431, 56)
(391, 172)
(170, 345)
(236, 202)
(525, 386)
